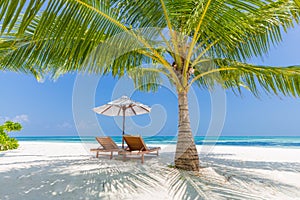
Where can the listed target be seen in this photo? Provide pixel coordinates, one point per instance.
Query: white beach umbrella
(123, 106)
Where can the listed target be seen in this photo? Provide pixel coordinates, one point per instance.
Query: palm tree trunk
(186, 156)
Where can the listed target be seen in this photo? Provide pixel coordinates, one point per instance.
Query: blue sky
(63, 107)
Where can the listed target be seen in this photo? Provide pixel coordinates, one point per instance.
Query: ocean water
(279, 141)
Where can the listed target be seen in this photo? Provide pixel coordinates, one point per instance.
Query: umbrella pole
(123, 128)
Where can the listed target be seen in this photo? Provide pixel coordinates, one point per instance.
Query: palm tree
(190, 42)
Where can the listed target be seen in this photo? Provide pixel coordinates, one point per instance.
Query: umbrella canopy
(123, 106)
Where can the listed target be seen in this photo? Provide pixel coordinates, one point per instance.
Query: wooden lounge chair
(137, 146)
(108, 145)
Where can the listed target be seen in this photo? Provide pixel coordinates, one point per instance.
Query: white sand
(46, 170)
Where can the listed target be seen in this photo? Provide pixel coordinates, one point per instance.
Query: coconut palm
(189, 42)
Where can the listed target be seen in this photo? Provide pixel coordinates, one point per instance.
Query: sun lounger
(137, 146)
(107, 145)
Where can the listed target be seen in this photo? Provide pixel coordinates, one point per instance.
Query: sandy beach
(53, 170)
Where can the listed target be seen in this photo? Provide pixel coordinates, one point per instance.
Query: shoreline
(59, 170)
(254, 141)
(199, 146)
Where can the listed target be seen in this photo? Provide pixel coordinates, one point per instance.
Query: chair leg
(124, 157)
(157, 153)
(97, 154)
(111, 155)
(142, 158)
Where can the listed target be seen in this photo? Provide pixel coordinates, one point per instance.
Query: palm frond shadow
(84, 178)
(185, 185)
(244, 177)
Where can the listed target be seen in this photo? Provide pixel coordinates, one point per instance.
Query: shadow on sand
(70, 177)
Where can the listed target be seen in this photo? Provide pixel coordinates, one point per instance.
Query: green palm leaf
(234, 75)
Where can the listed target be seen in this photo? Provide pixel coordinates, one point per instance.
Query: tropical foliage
(7, 142)
(190, 42)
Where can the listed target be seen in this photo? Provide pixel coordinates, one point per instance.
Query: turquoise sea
(280, 141)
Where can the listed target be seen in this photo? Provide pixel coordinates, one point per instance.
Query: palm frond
(297, 2)
(234, 75)
(115, 36)
(242, 28)
(139, 14)
(120, 48)
(9, 44)
(148, 78)
(12, 13)
(63, 36)
(47, 55)
(60, 37)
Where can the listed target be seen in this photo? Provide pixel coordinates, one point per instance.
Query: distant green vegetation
(7, 142)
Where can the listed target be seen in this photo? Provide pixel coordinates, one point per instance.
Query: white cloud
(21, 118)
(86, 125)
(65, 125)
(3, 119)
(18, 118)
